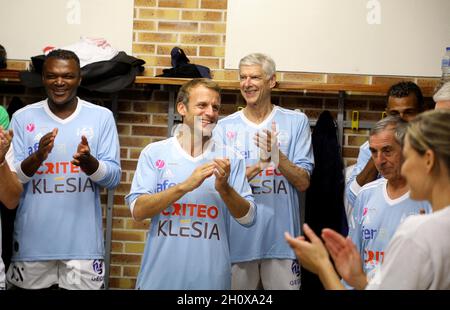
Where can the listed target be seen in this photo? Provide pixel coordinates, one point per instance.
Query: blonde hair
(431, 130)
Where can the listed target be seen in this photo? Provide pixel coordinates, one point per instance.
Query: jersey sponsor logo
(373, 257)
(192, 210)
(368, 233)
(188, 227)
(30, 127)
(32, 149)
(62, 167)
(88, 132)
(58, 148)
(62, 184)
(270, 172)
(16, 274)
(268, 186)
(367, 214)
(160, 164)
(69, 185)
(295, 268)
(283, 138)
(246, 154)
(97, 266)
(231, 134)
(368, 211)
(164, 185)
(196, 229)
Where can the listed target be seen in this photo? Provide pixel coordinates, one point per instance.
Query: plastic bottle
(445, 66)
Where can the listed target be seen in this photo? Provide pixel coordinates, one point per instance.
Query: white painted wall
(27, 26)
(374, 37)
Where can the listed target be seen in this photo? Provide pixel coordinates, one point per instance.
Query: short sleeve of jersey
(355, 223)
(238, 181)
(237, 178)
(17, 141)
(303, 152)
(363, 157)
(109, 152)
(10, 159)
(145, 177)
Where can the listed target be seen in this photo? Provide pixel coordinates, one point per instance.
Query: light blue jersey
(188, 242)
(59, 215)
(375, 219)
(352, 187)
(276, 198)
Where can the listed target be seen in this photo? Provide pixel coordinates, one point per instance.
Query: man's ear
(181, 108)
(273, 81)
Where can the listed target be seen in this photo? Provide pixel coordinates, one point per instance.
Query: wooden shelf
(282, 86)
(9, 75)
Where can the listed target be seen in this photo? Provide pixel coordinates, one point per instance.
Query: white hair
(263, 60)
(443, 94)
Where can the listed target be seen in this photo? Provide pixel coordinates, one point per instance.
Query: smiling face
(386, 153)
(255, 85)
(202, 111)
(61, 78)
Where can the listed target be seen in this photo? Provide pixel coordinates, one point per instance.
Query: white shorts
(67, 274)
(268, 274)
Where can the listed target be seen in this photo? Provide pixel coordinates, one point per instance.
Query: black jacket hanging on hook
(324, 198)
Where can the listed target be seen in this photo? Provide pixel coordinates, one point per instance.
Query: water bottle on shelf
(445, 65)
